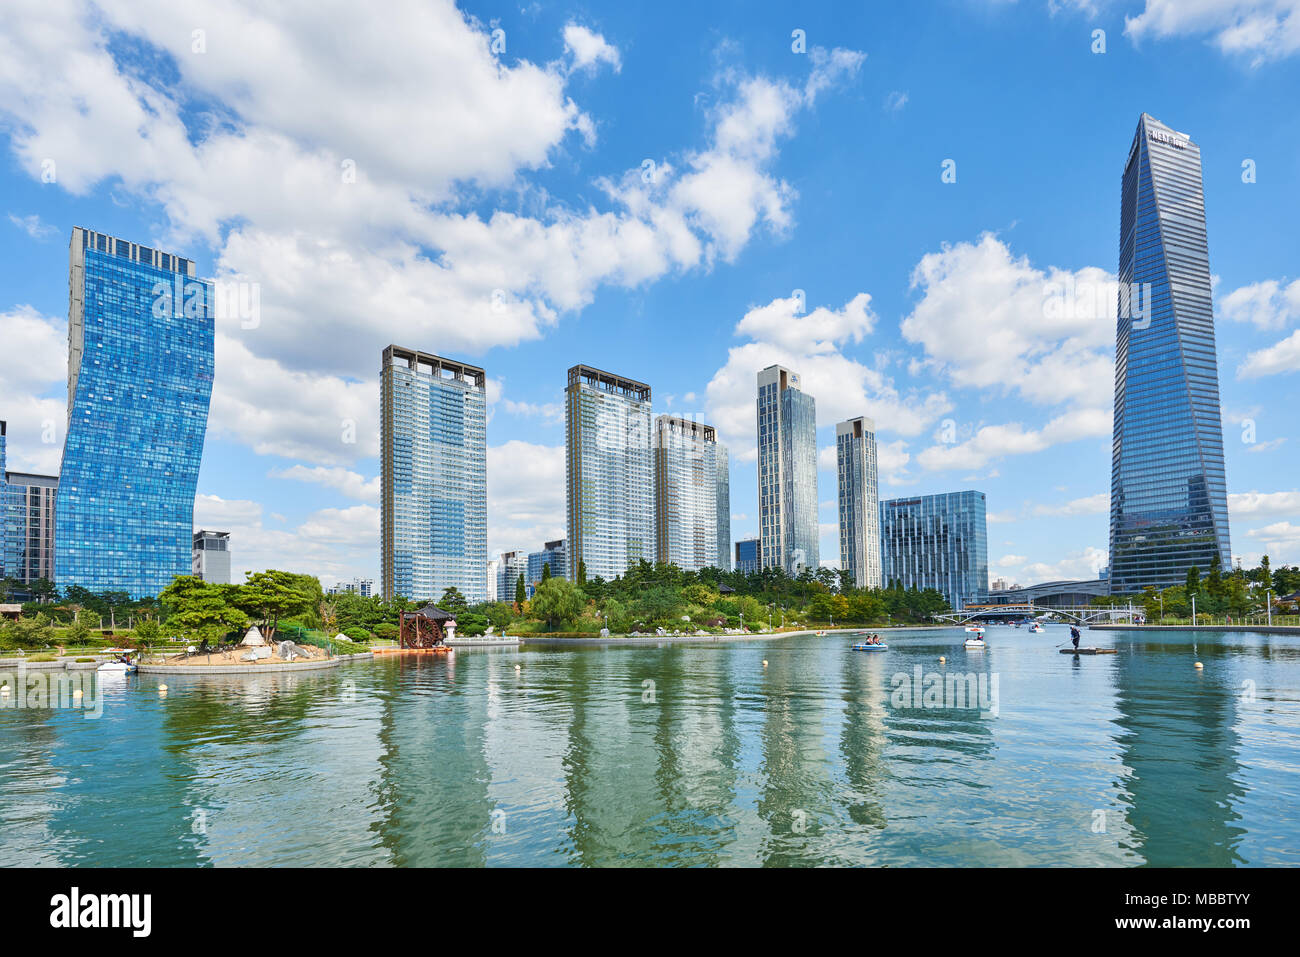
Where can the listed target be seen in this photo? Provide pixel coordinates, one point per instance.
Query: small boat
(821, 634)
(1089, 651)
(863, 646)
(976, 643)
(1036, 628)
(116, 668)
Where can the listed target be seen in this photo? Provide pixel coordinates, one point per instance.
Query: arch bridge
(1079, 614)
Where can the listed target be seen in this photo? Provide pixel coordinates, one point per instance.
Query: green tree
(79, 630)
(147, 632)
(453, 601)
(557, 600)
(200, 610)
(521, 591)
(546, 571)
(1193, 580)
(271, 595)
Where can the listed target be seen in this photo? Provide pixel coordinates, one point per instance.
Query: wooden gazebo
(425, 628)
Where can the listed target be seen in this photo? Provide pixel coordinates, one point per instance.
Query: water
(1128, 759)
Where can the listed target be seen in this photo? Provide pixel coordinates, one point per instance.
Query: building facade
(211, 556)
(688, 491)
(551, 556)
(365, 587)
(787, 473)
(26, 522)
(747, 552)
(140, 365)
(512, 566)
(724, 508)
(433, 477)
(609, 474)
(858, 501)
(937, 541)
(1169, 495)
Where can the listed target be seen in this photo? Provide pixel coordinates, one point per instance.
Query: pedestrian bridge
(1081, 614)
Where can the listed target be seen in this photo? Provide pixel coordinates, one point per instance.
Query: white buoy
(942, 659)
(76, 692)
(1198, 666)
(764, 662)
(162, 687)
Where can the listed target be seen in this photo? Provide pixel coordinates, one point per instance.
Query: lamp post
(1268, 605)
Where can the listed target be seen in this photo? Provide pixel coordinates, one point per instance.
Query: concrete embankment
(1258, 629)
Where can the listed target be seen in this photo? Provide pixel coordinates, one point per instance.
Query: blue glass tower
(937, 541)
(140, 365)
(1169, 496)
(433, 477)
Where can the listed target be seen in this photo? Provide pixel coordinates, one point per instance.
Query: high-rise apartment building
(609, 474)
(937, 541)
(687, 493)
(433, 477)
(787, 472)
(1169, 494)
(724, 508)
(858, 501)
(513, 565)
(140, 366)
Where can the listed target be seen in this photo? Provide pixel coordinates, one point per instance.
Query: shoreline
(541, 639)
(1261, 629)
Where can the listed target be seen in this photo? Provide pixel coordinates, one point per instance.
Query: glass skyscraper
(433, 476)
(859, 501)
(787, 472)
(609, 473)
(1169, 496)
(690, 487)
(937, 541)
(140, 364)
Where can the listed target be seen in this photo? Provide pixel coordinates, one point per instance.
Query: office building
(937, 541)
(787, 473)
(26, 522)
(858, 501)
(688, 491)
(609, 474)
(747, 560)
(551, 556)
(724, 508)
(1169, 495)
(140, 366)
(433, 477)
(211, 558)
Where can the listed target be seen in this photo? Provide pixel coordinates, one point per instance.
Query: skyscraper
(1169, 496)
(687, 492)
(140, 364)
(747, 555)
(724, 508)
(859, 501)
(787, 472)
(937, 541)
(609, 473)
(433, 476)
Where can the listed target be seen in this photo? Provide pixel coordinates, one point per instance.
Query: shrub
(358, 635)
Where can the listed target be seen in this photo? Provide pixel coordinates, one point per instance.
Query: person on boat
(1074, 637)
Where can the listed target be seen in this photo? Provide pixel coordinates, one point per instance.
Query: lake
(684, 755)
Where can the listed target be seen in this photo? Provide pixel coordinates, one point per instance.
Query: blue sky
(646, 189)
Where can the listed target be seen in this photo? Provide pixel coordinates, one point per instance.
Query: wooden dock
(1089, 651)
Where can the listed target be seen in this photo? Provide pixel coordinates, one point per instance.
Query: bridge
(1080, 614)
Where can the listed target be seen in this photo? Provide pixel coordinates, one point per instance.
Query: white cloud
(33, 226)
(994, 441)
(33, 363)
(812, 345)
(1079, 565)
(589, 49)
(1267, 305)
(525, 495)
(1259, 504)
(1261, 30)
(895, 101)
(1098, 504)
(334, 190)
(333, 543)
(1282, 357)
(352, 484)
